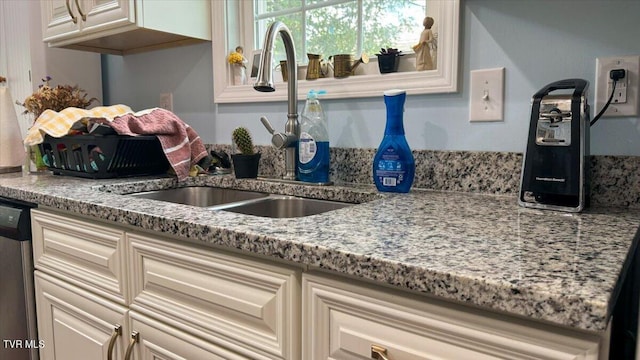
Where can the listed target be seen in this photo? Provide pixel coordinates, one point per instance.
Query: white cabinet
(68, 18)
(124, 26)
(86, 254)
(181, 301)
(248, 306)
(343, 320)
(75, 324)
(159, 341)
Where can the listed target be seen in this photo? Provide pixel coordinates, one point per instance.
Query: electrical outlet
(626, 96)
(486, 97)
(166, 101)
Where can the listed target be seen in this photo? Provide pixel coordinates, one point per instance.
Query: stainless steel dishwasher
(18, 331)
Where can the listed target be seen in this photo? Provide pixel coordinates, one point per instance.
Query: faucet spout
(264, 83)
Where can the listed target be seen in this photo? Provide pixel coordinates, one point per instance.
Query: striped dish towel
(181, 144)
(58, 124)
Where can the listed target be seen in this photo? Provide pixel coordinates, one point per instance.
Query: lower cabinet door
(153, 340)
(344, 321)
(74, 324)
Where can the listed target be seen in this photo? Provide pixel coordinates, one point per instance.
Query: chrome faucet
(264, 82)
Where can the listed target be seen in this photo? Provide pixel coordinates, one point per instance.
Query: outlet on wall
(626, 96)
(166, 101)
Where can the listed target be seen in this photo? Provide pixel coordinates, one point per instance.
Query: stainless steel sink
(277, 206)
(202, 196)
(243, 201)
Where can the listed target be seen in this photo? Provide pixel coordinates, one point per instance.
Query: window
(233, 24)
(330, 27)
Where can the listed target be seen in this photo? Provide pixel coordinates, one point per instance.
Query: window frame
(227, 32)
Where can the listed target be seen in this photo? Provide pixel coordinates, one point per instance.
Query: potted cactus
(245, 163)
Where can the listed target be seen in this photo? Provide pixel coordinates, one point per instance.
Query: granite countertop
(482, 250)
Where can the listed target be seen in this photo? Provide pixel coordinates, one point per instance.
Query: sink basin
(202, 196)
(243, 201)
(286, 207)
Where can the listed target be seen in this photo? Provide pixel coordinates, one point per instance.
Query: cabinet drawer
(247, 306)
(344, 321)
(80, 252)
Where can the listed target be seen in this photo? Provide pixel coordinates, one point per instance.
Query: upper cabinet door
(59, 18)
(63, 19)
(105, 14)
(123, 27)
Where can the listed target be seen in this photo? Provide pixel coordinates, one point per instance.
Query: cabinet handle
(73, 17)
(117, 331)
(378, 352)
(135, 336)
(84, 16)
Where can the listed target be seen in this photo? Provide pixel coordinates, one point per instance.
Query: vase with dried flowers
(238, 64)
(56, 98)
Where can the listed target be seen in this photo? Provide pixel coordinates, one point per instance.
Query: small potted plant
(245, 163)
(388, 60)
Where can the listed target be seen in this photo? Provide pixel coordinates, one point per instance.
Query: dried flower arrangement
(55, 98)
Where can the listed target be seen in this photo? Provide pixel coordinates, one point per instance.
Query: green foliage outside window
(331, 26)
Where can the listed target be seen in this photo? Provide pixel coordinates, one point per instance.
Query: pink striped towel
(181, 144)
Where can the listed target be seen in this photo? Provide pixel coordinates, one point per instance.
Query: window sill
(358, 86)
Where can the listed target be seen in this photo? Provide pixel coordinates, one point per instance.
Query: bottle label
(306, 148)
(390, 170)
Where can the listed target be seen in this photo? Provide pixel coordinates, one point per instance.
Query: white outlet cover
(166, 101)
(486, 97)
(631, 64)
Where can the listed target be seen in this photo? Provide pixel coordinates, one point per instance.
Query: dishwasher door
(18, 331)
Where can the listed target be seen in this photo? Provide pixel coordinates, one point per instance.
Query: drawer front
(81, 252)
(246, 306)
(345, 321)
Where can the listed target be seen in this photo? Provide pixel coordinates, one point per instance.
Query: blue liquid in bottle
(313, 143)
(393, 164)
(317, 169)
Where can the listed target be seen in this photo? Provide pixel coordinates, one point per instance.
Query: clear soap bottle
(393, 164)
(313, 145)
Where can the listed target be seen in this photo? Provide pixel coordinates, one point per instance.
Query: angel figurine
(424, 61)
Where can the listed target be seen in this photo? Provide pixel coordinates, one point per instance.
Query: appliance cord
(615, 76)
(613, 91)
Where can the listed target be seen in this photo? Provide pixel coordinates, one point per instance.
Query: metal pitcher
(314, 68)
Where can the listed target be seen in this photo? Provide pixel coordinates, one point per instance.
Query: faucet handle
(267, 124)
(279, 140)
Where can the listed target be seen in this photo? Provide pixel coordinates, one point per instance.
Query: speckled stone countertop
(483, 250)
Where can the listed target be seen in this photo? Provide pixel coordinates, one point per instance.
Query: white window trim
(442, 80)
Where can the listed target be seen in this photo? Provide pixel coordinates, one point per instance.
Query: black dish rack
(103, 157)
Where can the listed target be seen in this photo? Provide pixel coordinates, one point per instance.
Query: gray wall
(537, 41)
